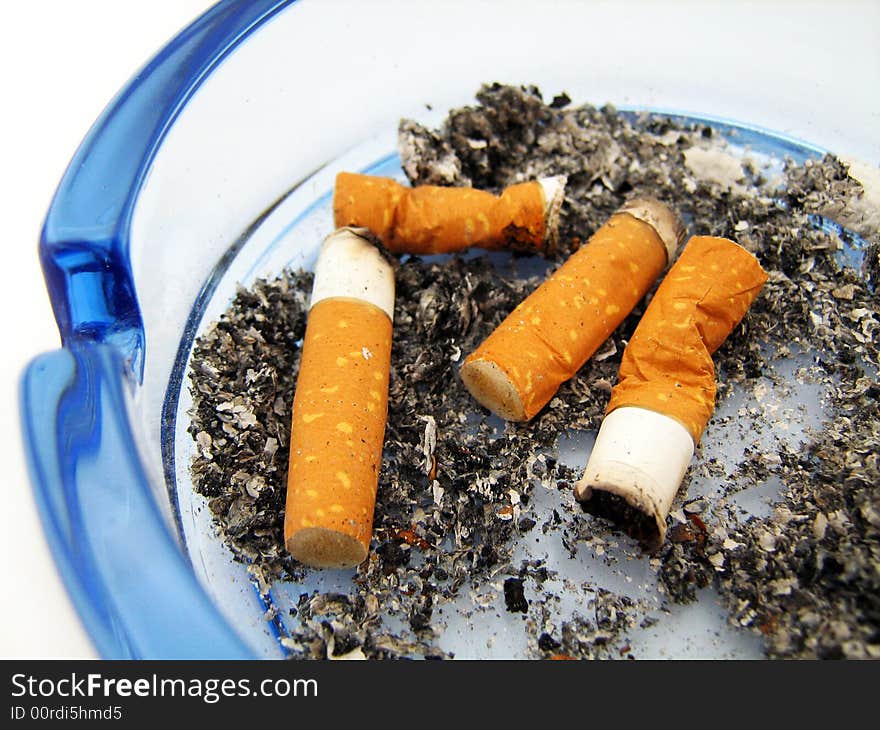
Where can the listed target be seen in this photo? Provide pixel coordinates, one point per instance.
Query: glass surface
(201, 174)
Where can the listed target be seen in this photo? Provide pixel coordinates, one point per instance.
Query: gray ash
(457, 487)
(242, 380)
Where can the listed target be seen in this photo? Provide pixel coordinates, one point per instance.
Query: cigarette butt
(430, 219)
(665, 393)
(557, 328)
(630, 478)
(340, 405)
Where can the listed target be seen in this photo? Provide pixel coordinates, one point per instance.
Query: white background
(61, 61)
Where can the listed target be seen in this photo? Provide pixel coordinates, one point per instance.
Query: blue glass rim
(72, 400)
(148, 605)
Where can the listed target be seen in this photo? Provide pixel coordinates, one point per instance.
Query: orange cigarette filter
(340, 406)
(666, 387)
(558, 327)
(667, 365)
(430, 219)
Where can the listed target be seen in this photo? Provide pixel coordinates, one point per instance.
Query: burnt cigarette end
(635, 522)
(663, 219)
(634, 471)
(553, 190)
(367, 235)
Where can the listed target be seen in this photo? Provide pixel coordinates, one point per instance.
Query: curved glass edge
(84, 243)
(131, 585)
(86, 474)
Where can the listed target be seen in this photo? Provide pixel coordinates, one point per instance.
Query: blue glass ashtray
(212, 168)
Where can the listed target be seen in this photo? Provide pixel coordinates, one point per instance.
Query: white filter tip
(350, 265)
(640, 456)
(553, 189)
